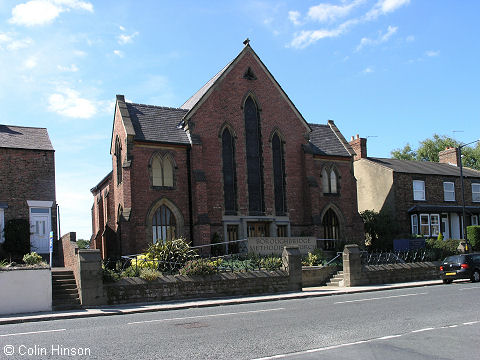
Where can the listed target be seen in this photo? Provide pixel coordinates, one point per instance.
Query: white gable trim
(43, 204)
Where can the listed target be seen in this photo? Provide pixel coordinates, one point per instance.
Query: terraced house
(236, 160)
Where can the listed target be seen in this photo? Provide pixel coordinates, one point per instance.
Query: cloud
(383, 7)
(410, 38)
(294, 17)
(305, 38)
(328, 12)
(121, 28)
(41, 12)
(118, 53)
(432, 53)
(381, 38)
(13, 44)
(67, 102)
(126, 39)
(71, 68)
(367, 70)
(30, 63)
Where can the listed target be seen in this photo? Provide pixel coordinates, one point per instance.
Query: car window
(476, 258)
(457, 259)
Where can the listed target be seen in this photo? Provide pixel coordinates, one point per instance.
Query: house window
(2, 225)
(449, 191)
(232, 232)
(414, 220)
(253, 138)
(476, 192)
(279, 175)
(425, 224)
(329, 181)
(229, 172)
(118, 157)
(474, 220)
(418, 190)
(164, 225)
(282, 230)
(162, 171)
(435, 224)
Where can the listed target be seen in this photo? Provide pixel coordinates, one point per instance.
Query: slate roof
(157, 123)
(324, 141)
(424, 167)
(190, 103)
(21, 137)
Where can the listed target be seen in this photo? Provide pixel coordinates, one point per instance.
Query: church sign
(274, 245)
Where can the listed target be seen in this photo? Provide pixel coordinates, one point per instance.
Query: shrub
(83, 244)
(143, 262)
(271, 263)
(150, 274)
(17, 237)
(200, 267)
(380, 229)
(130, 272)
(109, 275)
(171, 255)
(32, 258)
(3, 263)
(314, 258)
(440, 237)
(473, 235)
(441, 248)
(216, 248)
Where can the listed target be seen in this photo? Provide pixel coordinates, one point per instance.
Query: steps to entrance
(64, 290)
(336, 280)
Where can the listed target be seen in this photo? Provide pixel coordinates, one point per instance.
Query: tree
(83, 244)
(429, 148)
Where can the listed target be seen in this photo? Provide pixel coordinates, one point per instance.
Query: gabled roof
(157, 123)
(424, 167)
(325, 141)
(21, 137)
(103, 181)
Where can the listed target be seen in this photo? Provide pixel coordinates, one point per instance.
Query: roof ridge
(313, 124)
(156, 106)
(25, 127)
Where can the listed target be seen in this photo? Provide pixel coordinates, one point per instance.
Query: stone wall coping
(17, 268)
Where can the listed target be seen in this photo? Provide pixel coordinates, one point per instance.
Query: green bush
(440, 237)
(130, 272)
(109, 275)
(440, 249)
(17, 238)
(314, 258)
(3, 263)
(150, 274)
(271, 263)
(216, 248)
(32, 258)
(171, 255)
(473, 235)
(380, 229)
(200, 267)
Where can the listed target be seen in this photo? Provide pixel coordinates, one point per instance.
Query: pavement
(185, 304)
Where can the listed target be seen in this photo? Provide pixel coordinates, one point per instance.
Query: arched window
(118, 158)
(329, 181)
(162, 171)
(330, 225)
(279, 175)
(253, 138)
(229, 172)
(163, 225)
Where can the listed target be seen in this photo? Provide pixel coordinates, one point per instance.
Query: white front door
(445, 228)
(40, 227)
(455, 221)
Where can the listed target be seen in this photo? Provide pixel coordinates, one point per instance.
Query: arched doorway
(164, 225)
(331, 229)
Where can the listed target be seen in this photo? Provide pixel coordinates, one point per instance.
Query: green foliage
(130, 272)
(144, 262)
(109, 275)
(83, 244)
(32, 258)
(17, 237)
(3, 263)
(251, 262)
(440, 249)
(429, 148)
(314, 258)
(217, 250)
(200, 267)
(150, 274)
(473, 236)
(380, 229)
(171, 255)
(440, 237)
(271, 263)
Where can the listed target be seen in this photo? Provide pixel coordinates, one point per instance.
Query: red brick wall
(27, 175)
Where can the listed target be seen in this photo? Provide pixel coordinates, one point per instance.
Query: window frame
(420, 224)
(414, 224)
(416, 191)
(164, 228)
(327, 181)
(434, 228)
(477, 198)
(450, 192)
(2, 225)
(160, 159)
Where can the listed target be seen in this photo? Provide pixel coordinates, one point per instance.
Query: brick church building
(236, 160)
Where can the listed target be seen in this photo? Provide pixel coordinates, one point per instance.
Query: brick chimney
(359, 145)
(449, 156)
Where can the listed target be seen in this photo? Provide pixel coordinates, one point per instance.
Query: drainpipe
(190, 201)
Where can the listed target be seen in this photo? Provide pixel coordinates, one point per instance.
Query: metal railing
(397, 257)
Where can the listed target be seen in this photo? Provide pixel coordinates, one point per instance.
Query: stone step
(63, 281)
(61, 291)
(63, 276)
(63, 307)
(65, 298)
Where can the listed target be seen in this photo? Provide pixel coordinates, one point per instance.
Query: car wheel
(447, 281)
(476, 276)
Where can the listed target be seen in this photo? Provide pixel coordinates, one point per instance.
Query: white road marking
(379, 298)
(205, 316)
(470, 288)
(333, 347)
(33, 332)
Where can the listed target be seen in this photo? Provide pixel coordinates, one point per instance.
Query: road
(436, 322)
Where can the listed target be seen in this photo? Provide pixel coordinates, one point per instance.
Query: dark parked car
(465, 266)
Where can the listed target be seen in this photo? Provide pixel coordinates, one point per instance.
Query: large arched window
(253, 138)
(330, 225)
(164, 225)
(229, 172)
(118, 159)
(279, 175)
(162, 171)
(329, 181)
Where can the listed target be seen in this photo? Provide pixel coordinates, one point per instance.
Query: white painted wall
(25, 291)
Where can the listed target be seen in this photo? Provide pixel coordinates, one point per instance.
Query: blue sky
(395, 71)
